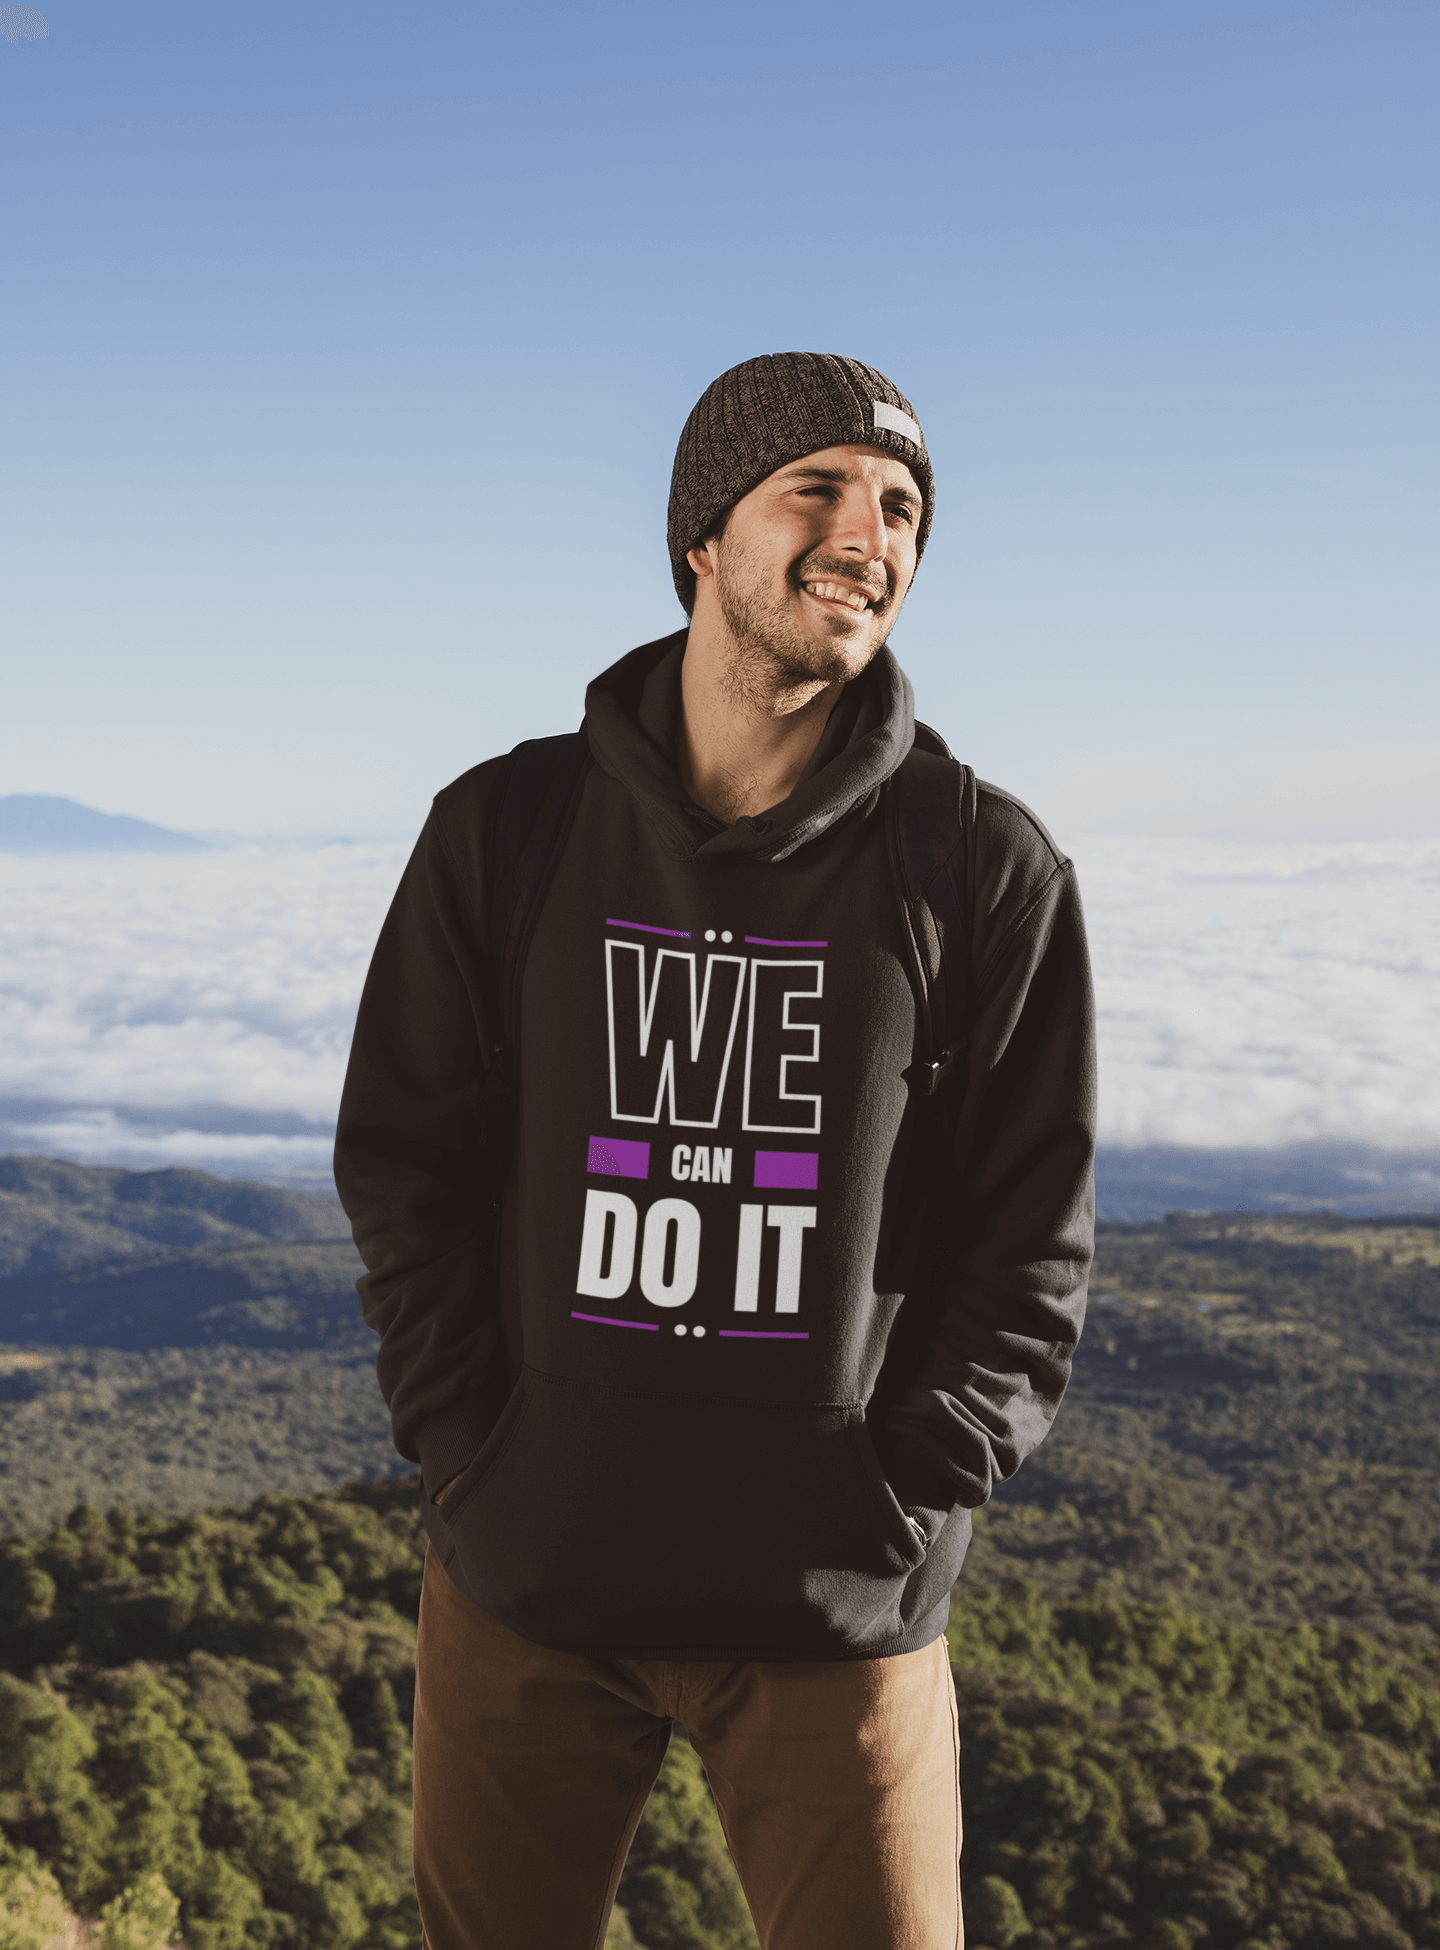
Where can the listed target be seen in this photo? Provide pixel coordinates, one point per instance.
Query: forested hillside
(1249, 1429)
(1197, 1643)
(1252, 1428)
(222, 1701)
(173, 1340)
(54, 1213)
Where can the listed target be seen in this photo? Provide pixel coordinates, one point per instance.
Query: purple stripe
(751, 1334)
(604, 1320)
(760, 941)
(787, 1171)
(618, 1158)
(680, 934)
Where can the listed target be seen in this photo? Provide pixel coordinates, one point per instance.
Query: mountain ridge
(56, 1215)
(37, 822)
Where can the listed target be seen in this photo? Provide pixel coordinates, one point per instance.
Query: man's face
(814, 563)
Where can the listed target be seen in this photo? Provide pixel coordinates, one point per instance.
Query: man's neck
(747, 737)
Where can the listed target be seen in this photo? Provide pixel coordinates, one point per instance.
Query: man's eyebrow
(844, 474)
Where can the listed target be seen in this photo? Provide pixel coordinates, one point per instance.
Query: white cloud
(1266, 995)
(228, 978)
(198, 1008)
(104, 1137)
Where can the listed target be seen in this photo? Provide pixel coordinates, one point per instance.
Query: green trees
(1137, 1775)
(33, 1911)
(143, 1917)
(209, 1718)
(210, 1714)
(1251, 1430)
(679, 1890)
(217, 1708)
(35, 1916)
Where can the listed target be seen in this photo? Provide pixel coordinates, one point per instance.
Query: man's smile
(841, 595)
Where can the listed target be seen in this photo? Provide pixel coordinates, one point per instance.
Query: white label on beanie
(895, 421)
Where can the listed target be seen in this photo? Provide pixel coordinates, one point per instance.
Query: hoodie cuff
(449, 1441)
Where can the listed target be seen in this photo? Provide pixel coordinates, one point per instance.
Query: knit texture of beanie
(769, 412)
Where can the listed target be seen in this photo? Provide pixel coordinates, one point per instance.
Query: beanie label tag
(894, 421)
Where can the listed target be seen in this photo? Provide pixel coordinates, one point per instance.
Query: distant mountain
(177, 1340)
(33, 822)
(56, 1214)
(1139, 1182)
(100, 1258)
(277, 1296)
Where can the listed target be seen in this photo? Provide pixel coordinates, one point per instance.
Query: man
(708, 1360)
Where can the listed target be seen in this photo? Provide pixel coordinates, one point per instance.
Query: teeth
(831, 592)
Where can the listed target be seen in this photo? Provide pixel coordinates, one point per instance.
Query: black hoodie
(696, 1382)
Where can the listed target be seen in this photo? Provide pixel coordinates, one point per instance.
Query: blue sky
(346, 349)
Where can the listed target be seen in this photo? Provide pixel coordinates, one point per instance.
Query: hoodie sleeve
(1012, 1224)
(414, 1146)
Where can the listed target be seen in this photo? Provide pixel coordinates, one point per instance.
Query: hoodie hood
(633, 719)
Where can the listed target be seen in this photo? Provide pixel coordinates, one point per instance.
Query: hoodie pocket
(605, 1520)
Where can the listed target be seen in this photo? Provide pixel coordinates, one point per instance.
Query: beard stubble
(772, 660)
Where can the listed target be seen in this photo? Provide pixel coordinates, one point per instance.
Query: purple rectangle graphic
(784, 1171)
(619, 1158)
(607, 1320)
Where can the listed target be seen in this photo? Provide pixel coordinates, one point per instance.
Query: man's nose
(859, 527)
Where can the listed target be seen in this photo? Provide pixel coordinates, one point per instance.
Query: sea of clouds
(197, 1009)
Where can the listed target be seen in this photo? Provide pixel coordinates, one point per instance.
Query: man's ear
(701, 560)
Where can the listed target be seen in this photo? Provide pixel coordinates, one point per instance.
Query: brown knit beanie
(769, 412)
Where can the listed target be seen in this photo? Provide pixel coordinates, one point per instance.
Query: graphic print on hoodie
(672, 1032)
(712, 1047)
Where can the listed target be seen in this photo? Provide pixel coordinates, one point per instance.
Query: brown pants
(837, 1783)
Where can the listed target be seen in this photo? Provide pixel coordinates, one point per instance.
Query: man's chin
(801, 650)
(851, 642)
(832, 662)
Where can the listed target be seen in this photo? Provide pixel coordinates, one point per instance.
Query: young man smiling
(708, 1357)
(794, 594)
